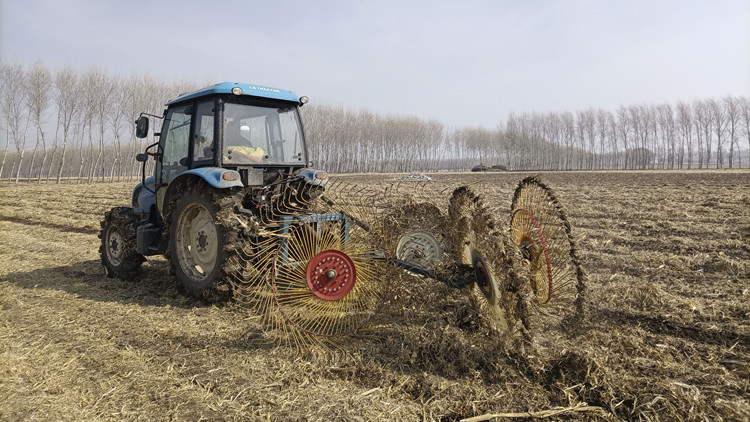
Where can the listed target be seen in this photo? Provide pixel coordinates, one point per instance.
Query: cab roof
(247, 89)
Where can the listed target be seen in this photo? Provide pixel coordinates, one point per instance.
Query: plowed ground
(666, 336)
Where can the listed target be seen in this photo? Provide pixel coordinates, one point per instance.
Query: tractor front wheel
(197, 242)
(118, 248)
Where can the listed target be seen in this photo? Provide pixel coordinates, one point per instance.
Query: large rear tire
(118, 247)
(198, 240)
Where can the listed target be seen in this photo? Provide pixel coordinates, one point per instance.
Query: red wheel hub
(543, 242)
(331, 274)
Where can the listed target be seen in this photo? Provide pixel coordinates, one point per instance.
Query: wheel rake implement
(320, 266)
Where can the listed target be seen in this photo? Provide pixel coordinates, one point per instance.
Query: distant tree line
(70, 125)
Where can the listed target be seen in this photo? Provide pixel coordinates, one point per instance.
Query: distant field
(667, 333)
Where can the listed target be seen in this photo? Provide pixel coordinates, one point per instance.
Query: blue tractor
(227, 155)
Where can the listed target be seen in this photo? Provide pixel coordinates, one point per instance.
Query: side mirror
(141, 158)
(141, 127)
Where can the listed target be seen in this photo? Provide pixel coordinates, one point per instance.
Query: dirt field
(666, 336)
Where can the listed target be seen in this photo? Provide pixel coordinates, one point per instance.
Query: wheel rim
(331, 275)
(115, 244)
(484, 279)
(419, 248)
(197, 242)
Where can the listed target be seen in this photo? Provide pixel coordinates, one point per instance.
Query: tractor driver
(237, 146)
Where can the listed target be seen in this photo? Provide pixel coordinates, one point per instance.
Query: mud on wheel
(203, 239)
(118, 247)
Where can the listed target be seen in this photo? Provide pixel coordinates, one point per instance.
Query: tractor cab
(228, 134)
(230, 126)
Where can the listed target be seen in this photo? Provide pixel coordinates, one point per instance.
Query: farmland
(666, 334)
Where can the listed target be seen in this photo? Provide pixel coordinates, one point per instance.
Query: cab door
(175, 147)
(175, 142)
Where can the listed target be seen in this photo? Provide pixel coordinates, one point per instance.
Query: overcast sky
(463, 63)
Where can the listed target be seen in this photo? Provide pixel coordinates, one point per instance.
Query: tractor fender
(218, 178)
(143, 199)
(314, 177)
(215, 176)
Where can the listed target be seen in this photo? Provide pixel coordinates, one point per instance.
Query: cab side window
(203, 142)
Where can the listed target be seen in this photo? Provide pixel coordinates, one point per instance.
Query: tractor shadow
(154, 286)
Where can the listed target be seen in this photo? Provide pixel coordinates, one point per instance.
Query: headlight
(230, 176)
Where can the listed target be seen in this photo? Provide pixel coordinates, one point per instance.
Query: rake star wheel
(329, 285)
(476, 241)
(539, 228)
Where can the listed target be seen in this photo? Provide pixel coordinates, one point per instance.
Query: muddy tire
(118, 247)
(201, 240)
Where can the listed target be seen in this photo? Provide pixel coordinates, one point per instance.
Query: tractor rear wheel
(197, 240)
(118, 248)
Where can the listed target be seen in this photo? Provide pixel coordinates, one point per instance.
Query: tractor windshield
(256, 135)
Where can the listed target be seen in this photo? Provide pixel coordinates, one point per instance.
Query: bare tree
(604, 128)
(744, 106)
(587, 133)
(2, 95)
(732, 109)
(568, 134)
(138, 90)
(614, 139)
(15, 82)
(85, 124)
(719, 121)
(103, 87)
(68, 106)
(666, 121)
(703, 131)
(685, 128)
(648, 151)
(118, 114)
(38, 100)
(11, 88)
(624, 129)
